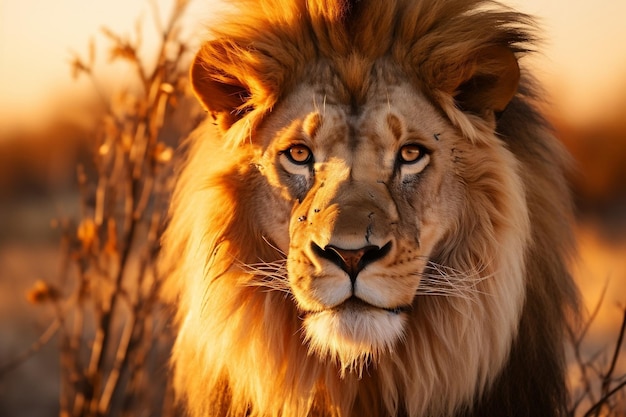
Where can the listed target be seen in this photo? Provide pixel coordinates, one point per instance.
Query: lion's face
(353, 230)
(371, 194)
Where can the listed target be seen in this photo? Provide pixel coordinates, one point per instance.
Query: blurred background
(46, 118)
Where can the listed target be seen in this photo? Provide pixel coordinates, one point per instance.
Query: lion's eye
(411, 153)
(299, 155)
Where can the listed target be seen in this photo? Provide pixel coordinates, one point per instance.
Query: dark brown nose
(352, 261)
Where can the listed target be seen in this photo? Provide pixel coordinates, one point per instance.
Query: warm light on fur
(373, 220)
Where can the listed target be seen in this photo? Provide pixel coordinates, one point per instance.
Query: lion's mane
(240, 348)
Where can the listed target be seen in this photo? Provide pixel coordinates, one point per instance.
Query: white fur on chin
(353, 337)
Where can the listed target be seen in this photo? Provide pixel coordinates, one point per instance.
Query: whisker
(444, 281)
(271, 276)
(271, 245)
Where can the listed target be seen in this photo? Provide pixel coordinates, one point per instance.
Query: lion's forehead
(392, 115)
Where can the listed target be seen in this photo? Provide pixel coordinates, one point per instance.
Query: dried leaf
(163, 153)
(167, 88)
(109, 34)
(78, 67)
(123, 50)
(104, 149)
(86, 232)
(41, 292)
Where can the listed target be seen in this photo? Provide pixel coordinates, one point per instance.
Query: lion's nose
(352, 261)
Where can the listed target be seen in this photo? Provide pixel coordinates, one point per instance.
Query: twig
(576, 344)
(598, 405)
(594, 313)
(121, 358)
(606, 381)
(33, 349)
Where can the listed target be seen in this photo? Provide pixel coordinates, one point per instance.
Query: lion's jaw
(354, 336)
(363, 225)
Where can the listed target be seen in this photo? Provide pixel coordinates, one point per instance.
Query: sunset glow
(578, 64)
(91, 128)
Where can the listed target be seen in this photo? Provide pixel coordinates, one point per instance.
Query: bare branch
(618, 346)
(43, 340)
(604, 400)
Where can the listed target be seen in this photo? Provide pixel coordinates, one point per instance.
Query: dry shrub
(113, 330)
(600, 387)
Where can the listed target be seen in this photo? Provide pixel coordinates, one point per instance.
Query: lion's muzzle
(344, 269)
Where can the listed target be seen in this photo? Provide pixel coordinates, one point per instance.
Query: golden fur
(373, 221)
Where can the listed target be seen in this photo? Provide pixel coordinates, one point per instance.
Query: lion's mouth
(355, 304)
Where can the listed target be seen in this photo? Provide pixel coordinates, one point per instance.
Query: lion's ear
(488, 82)
(215, 81)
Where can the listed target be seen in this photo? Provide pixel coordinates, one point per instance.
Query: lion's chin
(354, 336)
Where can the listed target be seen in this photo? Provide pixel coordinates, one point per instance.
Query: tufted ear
(220, 90)
(487, 82)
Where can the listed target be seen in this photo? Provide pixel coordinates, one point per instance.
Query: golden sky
(583, 59)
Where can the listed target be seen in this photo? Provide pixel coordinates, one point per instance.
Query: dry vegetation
(112, 329)
(600, 388)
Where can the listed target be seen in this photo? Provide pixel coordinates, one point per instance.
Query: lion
(373, 220)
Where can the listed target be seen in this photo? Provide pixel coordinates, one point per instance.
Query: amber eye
(299, 154)
(411, 153)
